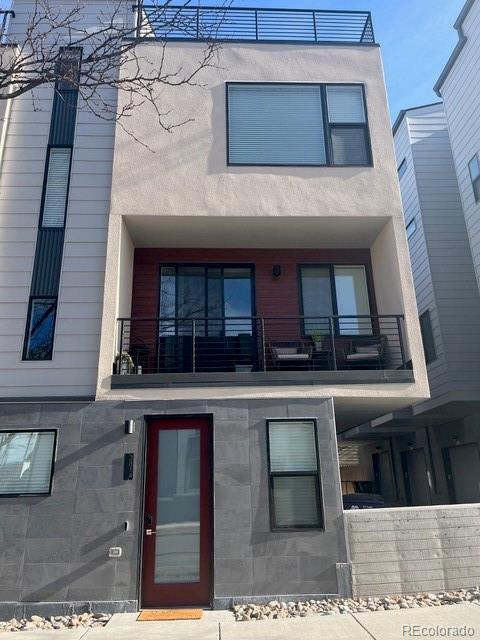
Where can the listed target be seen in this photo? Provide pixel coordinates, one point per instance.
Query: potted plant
(125, 364)
(318, 338)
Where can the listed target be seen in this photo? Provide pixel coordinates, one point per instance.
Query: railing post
(400, 340)
(256, 24)
(120, 348)
(193, 345)
(314, 26)
(198, 23)
(332, 338)
(264, 357)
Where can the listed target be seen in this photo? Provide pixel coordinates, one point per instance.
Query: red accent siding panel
(274, 297)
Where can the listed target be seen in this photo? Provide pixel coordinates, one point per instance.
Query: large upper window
(26, 459)
(335, 290)
(295, 500)
(474, 168)
(297, 124)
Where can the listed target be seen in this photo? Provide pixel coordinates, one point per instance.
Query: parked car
(363, 501)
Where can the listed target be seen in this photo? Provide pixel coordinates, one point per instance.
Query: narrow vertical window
(402, 168)
(295, 497)
(56, 187)
(411, 228)
(427, 337)
(474, 168)
(40, 329)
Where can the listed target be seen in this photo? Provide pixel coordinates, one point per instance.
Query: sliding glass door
(221, 296)
(219, 299)
(335, 290)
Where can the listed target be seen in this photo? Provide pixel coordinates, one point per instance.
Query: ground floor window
(26, 461)
(295, 497)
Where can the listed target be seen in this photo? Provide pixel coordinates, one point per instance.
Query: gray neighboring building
(430, 451)
(459, 88)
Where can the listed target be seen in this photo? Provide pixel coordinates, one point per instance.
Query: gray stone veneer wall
(54, 549)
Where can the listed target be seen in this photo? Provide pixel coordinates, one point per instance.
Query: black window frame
(475, 181)
(31, 302)
(333, 291)
(44, 187)
(410, 228)
(52, 469)
(327, 126)
(320, 526)
(428, 339)
(206, 266)
(402, 168)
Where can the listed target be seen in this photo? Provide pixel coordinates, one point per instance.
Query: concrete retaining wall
(414, 549)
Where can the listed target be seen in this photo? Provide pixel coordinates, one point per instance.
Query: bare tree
(58, 35)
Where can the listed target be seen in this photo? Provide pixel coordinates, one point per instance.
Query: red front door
(177, 536)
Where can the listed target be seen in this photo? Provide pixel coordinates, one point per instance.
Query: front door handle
(150, 532)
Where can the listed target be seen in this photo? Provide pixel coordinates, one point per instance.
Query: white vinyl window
(294, 475)
(288, 124)
(56, 187)
(26, 461)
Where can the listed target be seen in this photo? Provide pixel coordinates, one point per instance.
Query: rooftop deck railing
(249, 344)
(242, 24)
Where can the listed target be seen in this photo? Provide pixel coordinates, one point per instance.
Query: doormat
(156, 615)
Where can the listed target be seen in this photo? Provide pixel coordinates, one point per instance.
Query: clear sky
(417, 37)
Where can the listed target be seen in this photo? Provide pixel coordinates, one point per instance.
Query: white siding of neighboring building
(440, 253)
(73, 369)
(461, 95)
(422, 277)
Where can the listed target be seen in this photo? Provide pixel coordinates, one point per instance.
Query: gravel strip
(330, 606)
(35, 623)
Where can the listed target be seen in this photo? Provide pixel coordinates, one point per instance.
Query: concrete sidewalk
(220, 625)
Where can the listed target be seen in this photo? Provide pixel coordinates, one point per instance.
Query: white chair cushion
(293, 356)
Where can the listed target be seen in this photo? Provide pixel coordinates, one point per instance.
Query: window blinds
(56, 189)
(345, 104)
(292, 447)
(295, 501)
(26, 461)
(276, 124)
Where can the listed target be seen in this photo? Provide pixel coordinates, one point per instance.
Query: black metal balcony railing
(242, 345)
(243, 24)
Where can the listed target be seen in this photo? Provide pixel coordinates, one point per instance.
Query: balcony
(241, 24)
(156, 352)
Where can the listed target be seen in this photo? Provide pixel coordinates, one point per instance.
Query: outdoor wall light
(129, 426)
(276, 271)
(455, 438)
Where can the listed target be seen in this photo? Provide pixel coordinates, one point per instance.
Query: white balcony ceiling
(242, 232)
